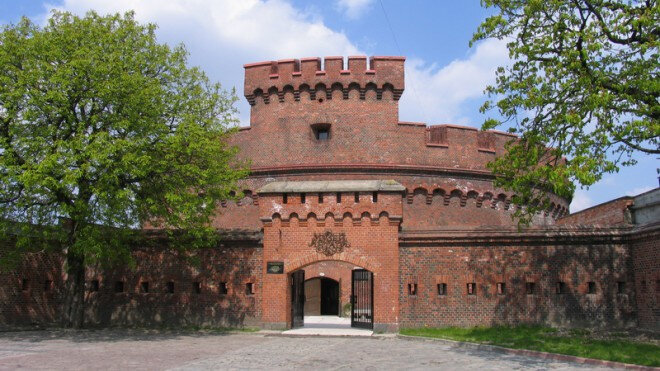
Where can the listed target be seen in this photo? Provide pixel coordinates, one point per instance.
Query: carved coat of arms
(329, 243)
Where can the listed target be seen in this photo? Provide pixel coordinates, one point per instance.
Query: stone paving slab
(153, 350)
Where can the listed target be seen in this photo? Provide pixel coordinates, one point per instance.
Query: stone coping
(333, 186)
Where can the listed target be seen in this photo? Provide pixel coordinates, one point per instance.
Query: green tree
(582, 91)
(106, 129)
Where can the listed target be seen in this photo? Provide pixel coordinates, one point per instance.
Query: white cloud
(581, 201)
(221, 36)
(639, 190)
(354, 9)
(435, 95)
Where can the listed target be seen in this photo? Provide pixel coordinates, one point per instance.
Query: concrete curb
(530, 353)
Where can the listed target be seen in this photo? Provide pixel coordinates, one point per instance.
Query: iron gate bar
(362, 299)
(297, 298)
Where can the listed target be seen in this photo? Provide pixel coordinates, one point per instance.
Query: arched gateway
(360, 228)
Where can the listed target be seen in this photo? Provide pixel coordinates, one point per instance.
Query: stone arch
(314, 257)
(272, 91)
(370, 91)
(353, 88)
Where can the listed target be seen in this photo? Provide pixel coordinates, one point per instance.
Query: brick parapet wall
(615, 212)
(236, 261)
(645, 247)
(575, 257)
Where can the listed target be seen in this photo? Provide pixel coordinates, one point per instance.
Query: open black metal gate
(297, 298)
(362, 299)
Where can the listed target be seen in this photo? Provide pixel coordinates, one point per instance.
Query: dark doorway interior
(297, 298)
(329, 297)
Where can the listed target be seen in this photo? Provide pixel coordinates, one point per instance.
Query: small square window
(303, 198)
(285, 198)
(322, 134)
(357, 197)
(320, 198)
(591, 287)
(374, 197)
(197, 287)
(501, 288)
(249, 288)
(621, 287)
(119, 286)
(48, 285)
(530, 288)
(25, 284)
(560, 287)
(442, 289)
(471, 288)
(222, 288)
(338, 197)
(94, 285)
(412, 289)
(170, 287)
(144, 287)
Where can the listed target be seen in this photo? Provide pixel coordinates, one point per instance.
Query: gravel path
(152, 350)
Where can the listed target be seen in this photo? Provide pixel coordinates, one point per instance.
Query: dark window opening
(412, 289)
(357, 197)
(144, 287)
(320, 198)
(501, 288)
(442, 289)
(222, 289)
(591, 287)
(25, 284)
(119, 286)
(657, 286)
(170, 287)
(322, 134)
(197, 287)
(94, 285)
(621, 287)
(643, 286)
(374, 197)
(249, 288)
(338, 197)
(48, 285)
(303, 198)
(561, 287)
(472, 288)
(530, 288)
(285, 198)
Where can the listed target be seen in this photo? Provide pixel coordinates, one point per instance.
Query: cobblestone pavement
(151, 350)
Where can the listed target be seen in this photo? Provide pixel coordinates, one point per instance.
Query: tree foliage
(106, 129)
(582, 91)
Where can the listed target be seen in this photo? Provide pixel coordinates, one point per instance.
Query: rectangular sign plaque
(275, 267)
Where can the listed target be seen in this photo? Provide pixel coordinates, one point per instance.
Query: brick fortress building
(349, 211)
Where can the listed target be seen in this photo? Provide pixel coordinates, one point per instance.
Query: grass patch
(546, 339)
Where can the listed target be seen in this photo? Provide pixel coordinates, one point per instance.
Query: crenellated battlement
(265, 79)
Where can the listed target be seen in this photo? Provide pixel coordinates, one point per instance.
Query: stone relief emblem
(329, 243)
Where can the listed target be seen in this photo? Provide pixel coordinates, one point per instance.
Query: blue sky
(445, 78)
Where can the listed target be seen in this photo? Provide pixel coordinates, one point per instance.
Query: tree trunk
(74, 300)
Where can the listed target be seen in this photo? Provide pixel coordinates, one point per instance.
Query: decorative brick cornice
(537, 236)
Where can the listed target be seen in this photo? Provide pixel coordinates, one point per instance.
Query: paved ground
(328, 325)
(125, 349)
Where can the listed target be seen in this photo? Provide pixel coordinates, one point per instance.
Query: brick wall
(31, 293)
(460, 258)
(35, 302)
(370, 227)
(646, 262)
(614, 212)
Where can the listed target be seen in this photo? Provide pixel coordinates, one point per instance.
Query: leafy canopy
(583, 82)
(100, 125)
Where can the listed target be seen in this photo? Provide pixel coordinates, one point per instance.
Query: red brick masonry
(443, 250)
